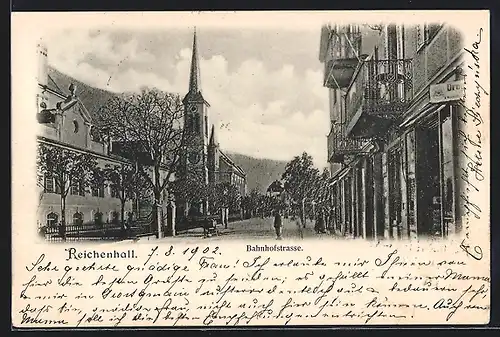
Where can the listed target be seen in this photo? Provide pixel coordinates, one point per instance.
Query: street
(251, 229)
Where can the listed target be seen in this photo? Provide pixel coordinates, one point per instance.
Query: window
(100, 191)
(426, 33)
(78, 219)
(206, 126)
(115, 190)
(52, 219)
(75, 188)
(48, 184)
(76, 127)
(114, 217)
(98, 218)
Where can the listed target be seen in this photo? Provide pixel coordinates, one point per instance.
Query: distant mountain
(92, 98)
(260, 172)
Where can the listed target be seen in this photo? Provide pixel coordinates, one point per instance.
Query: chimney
(42, 63)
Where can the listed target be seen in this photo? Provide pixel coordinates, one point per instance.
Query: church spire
(213, 140)
(194, 76)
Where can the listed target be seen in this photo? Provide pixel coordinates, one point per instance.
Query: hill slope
(260, 172)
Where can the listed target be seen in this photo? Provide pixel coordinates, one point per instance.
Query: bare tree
(147, 127)
(66, 169)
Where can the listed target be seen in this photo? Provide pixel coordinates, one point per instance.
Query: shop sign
(445, 92)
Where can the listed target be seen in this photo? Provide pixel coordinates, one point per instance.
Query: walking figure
(277, 224)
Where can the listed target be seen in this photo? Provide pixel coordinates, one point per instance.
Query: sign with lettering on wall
(445, 92)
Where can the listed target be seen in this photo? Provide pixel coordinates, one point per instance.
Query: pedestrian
(319, 226)
(278, 225)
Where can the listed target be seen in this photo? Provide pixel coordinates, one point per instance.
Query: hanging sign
(445, 92)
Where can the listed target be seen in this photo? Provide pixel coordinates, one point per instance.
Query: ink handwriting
(202, 286)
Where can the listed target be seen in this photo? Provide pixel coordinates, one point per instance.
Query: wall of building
(87, 204)
(386, 194)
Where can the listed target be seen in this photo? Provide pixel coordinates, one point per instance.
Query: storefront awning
(424, 111)
(339, 175)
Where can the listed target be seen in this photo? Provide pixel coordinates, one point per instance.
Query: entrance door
(428, 180)
(448, 167)
(411, 186)
(395, 162)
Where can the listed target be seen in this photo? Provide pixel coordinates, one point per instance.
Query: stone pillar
(170, 230)
(222, 214)
(378, 195)
(363, 199)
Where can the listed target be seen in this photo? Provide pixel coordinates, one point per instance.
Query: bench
(207, 222)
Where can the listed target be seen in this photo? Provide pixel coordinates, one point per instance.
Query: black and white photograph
(193, 132)
(343, 140)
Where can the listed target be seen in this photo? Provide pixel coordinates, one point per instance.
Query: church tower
(196, 118)
(213, 157)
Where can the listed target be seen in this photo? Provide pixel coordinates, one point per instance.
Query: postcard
(228, 169)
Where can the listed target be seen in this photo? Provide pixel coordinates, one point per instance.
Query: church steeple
(194, 92)
(213, 140)
(194, 76)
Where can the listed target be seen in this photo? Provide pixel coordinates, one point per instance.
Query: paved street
(255, 228)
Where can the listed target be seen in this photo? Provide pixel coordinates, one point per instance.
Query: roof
(91, 98)
(231, 163)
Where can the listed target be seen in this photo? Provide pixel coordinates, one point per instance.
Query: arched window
(115, 217)
(98, 218)
(52, 219)
(78, 219)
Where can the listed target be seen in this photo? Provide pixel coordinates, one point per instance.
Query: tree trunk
(303, 213)
(122, 216)
(62, 228)
(157, 204)
(157, 218)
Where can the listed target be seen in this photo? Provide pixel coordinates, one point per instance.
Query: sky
(264, 85)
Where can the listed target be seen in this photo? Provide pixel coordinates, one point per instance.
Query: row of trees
(70, 169)
(193, 188)
(147, 129)
(305, 184)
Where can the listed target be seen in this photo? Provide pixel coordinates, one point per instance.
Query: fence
(97, 232)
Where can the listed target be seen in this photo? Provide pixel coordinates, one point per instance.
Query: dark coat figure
(319, 227)
(277, 224)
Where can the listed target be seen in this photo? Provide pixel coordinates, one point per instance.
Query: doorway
(395, 162)
(429, 217)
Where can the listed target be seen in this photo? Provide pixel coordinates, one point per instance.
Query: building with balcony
(392, 151)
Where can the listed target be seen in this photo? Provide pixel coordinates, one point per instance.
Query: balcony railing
(340, 146)
(342, 58)
(381, 88)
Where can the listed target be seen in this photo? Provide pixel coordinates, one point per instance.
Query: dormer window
(76, 127)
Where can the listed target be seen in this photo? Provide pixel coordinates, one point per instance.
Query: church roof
(231, 163)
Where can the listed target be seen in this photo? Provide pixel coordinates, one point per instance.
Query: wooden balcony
(342, 59)
(380, 92)
(340, 146)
